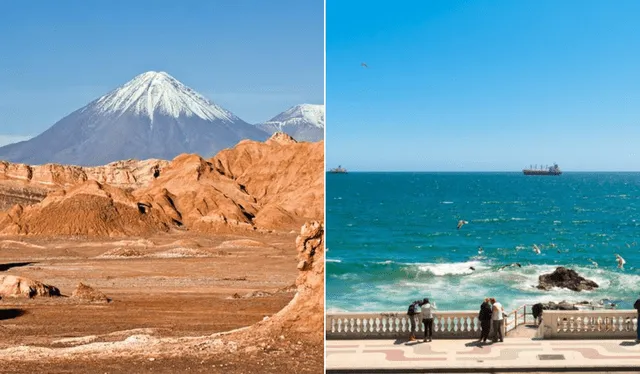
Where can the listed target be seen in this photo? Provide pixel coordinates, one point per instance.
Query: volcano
(152, 116)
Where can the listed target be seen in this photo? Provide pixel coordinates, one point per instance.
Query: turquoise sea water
(392, 237)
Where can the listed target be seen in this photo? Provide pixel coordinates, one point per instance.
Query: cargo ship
(547, 170)
(338, 170)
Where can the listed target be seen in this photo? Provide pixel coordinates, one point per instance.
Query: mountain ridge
(151, 116)
(304, 122)
(272, 185)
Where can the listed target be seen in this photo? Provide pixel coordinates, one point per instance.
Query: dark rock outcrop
(565, 278)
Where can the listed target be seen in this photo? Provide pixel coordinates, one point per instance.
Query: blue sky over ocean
(256, 58)
(483, 85)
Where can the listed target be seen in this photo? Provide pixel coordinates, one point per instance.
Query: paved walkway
(515, 354)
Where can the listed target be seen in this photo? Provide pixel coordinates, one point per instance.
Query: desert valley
(188, 264)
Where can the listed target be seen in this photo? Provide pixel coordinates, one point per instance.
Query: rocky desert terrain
(199, 265)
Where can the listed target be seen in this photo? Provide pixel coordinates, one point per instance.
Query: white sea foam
(454, 284)
(347, 276)
(333, 260)
(456, 268)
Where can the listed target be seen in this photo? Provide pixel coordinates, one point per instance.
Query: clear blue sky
(483, 85)
(254, 57)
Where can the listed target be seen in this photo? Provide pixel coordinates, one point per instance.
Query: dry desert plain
(165, 266)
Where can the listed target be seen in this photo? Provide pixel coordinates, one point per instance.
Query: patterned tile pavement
(515, 353)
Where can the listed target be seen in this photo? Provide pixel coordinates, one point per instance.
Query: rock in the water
(565, 278)
(15, 286)
(566, 306)
(85, 292)
(563, 305)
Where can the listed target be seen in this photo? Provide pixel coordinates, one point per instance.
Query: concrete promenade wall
(396, 325)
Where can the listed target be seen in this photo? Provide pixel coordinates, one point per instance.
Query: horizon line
(478, 171)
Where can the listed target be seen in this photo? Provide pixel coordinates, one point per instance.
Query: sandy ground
(162, 287)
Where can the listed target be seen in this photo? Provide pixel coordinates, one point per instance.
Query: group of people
(491, 316)
(426, 315)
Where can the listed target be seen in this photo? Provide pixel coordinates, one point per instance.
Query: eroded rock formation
(88, 293)
(304, 315)
(15, 286)
(273, 185)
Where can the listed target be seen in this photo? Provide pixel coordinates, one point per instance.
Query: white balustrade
(588, 324)
(391, 325)
(556, 324)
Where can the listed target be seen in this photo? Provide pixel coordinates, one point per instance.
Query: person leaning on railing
(637, 307)
(536, 310)
(412, 312)
(485, 320)
(426, 312)
(498, 320)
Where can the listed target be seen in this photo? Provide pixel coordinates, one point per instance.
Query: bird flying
(620, 261)
(364, 65)
(461, 223)
(536, 249)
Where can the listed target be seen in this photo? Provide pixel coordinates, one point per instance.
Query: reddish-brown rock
(275, 185)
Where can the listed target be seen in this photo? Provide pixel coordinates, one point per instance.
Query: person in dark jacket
(413, 312)
(485, 320)
(636, 305)
(536, 310)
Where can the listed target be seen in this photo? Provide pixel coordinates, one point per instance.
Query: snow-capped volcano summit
(158, 91)
(304, 122)
(151, 116)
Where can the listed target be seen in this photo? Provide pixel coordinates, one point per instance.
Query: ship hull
(541, 172)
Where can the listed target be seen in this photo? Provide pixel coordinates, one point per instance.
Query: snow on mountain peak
(159, 92)
(312, 114)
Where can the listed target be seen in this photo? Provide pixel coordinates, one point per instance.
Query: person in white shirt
(426, 312)
(497, 320)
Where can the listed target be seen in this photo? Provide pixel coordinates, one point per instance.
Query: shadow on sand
(5, 267)
(11, 313)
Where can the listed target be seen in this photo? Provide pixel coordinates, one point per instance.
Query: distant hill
(304, 122)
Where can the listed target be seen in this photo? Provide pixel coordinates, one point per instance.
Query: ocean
(392, 238)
